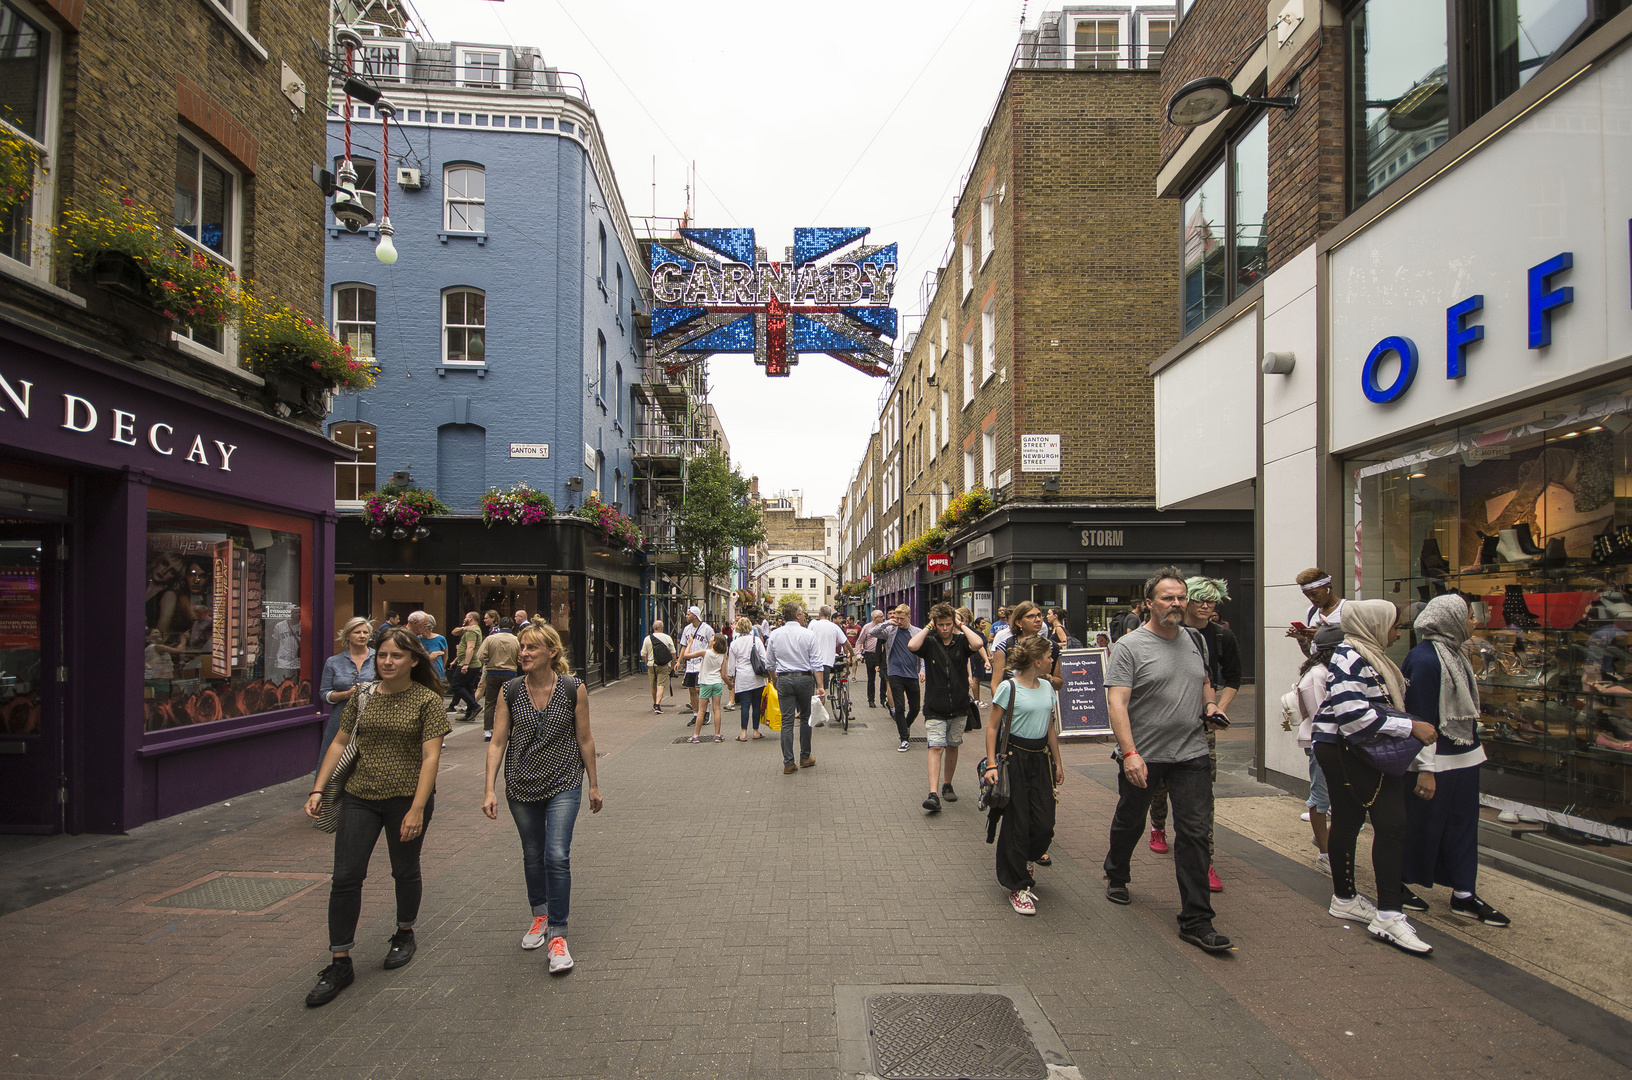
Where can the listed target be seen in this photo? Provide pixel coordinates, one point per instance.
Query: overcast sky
(849, 112)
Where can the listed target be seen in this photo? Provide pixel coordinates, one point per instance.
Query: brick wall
(1215, 38)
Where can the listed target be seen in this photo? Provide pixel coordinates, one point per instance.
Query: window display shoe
(1399, 933)
(534, 937)
(1472, 907)
(1357, 909)
(1023, 901)
(330, 981)
(1158, 841)
(1607, 743)
(560, 958)
(1508, 549)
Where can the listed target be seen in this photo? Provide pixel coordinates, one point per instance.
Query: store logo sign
(81, 416)
(1544, 301)
(938, 564)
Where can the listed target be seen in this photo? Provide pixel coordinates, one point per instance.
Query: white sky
(776, 103)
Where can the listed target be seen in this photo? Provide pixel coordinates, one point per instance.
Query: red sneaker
(1213, 884)
(1158, 841)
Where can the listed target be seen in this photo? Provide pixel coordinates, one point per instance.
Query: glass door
(31, 721)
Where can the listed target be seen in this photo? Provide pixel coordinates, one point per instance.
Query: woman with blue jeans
(747, 687)
(542, 719)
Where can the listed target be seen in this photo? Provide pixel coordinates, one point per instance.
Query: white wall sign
(1040, 453)
(589, 457)
(530, 449)
(1005, 478)
(981, 604)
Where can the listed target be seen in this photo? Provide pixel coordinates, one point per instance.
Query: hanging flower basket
(119, 272)
(401, 511)
(617, 530)
(274, 340)
(519, 505)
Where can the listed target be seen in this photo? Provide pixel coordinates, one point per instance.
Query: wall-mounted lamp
(427, 579)
(380, 579)
(1203, 99)
(1278, 363)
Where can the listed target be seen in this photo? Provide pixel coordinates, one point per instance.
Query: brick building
(1405, 330)
(157, 494)
(798, 555)
(1027, 377)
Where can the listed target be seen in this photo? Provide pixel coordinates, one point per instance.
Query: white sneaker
(1508, 817)
(904, 747)
(1024, 901)
(1358, 909)
(1398, 931)
(560, 958)
(534, 937)
(1323, 863)
(1304, 816)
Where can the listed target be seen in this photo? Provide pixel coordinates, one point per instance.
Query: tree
(717, 514)
(789, 598)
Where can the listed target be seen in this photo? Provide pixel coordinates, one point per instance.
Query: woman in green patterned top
(399, 743)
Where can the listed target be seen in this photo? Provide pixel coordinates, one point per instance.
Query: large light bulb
(386, 251)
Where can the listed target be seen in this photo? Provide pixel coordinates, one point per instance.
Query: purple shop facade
(175, 553)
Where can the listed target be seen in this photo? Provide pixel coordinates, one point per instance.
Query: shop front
(1093, 562)
(165, 556)
(892, 588)
(1482, 416)
(560, 571)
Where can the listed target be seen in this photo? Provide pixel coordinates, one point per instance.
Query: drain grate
(950, 1037)
(234, 892)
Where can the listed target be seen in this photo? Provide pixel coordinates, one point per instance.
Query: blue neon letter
(1402, 382)
(1457, 339)
(1544, 300)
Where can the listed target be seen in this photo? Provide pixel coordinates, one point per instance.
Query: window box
(120, 273)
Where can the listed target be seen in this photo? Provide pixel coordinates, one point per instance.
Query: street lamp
(1203, 99)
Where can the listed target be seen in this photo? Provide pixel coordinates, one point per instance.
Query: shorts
(1319, 800)
(945, 732)
(690, 680)
(656, 673)
(711, 689)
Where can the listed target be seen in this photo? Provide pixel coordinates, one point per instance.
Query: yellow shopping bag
(770, 710)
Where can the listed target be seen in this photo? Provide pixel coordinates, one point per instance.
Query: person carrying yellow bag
(771, 710)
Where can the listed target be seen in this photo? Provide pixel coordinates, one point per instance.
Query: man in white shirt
(658, 673)
(1325, 607)
(797, 659)
(694, 642)
(830, 637)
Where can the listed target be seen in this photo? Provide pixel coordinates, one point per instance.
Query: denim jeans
(751, 702)
(546, 853)
(793, 696)
(905, 711)
(361, 822)
(1190, 787)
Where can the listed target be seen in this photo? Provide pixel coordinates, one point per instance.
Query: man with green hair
(1223, 661)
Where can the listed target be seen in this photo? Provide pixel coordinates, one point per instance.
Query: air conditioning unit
(408, 179)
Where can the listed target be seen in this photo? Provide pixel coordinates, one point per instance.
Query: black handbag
(328, 808)
(995, 795)
(973, 723)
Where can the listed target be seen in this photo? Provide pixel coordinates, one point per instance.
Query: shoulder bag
(755, 660)
(995, 795)
(1390, 755)
(328, 808)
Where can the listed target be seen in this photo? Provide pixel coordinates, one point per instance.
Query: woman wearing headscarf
(1361, 682)
(1442, 806)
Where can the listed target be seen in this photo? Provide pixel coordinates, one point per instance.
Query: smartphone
(1299, 626)
(1217, 719)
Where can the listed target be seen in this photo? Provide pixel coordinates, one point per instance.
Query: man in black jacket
(945, 647)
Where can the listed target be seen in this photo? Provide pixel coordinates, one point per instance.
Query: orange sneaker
(534, 937)
(560, 958)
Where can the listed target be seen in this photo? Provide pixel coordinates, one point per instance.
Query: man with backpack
(657, 652)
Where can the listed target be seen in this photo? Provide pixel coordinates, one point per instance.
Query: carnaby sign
(716, 292)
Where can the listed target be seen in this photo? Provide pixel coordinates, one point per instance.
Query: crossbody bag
(328, 808)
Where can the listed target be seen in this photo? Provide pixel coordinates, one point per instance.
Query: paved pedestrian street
(722, 913)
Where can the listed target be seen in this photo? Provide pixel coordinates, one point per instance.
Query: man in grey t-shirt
(1157, 694)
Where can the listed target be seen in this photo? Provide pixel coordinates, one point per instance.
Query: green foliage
(789, 598)
(717, 514)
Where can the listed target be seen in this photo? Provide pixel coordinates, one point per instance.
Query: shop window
(1525, 515)
(25, 57)
(464, 326)
(367, 182)
(464, 198)
(1225, 227)
(1048, 571)
(354, 319)
(354, 480)
(226, 629)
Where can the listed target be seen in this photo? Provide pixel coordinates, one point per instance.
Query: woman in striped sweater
(1442, 809)
(1361, 681)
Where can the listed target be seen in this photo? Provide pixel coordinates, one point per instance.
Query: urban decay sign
(716, 292)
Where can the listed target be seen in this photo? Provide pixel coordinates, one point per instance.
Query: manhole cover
(232, 892)
(950, 1037)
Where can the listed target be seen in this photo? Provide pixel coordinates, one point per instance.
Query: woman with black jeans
(1024, 705)
(1361, 682)
(543, 723)
(399, 734)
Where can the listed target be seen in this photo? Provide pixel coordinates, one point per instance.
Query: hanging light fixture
(380, 579)
(385, 251)
(427, 579)
(348, 208)
(399, 533)
(439, 579)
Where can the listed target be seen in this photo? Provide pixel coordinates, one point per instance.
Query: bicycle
(838, 697)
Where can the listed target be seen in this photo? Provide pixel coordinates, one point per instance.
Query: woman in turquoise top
(1025, 705)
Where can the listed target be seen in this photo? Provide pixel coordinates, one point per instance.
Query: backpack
(661, 656)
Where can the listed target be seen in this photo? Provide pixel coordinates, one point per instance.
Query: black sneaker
(1117, 894)
(1206, 939)
(330, 981)
(402, 949)
(932, 803)
(948, 794)
(1474, 908)
(1412, 902)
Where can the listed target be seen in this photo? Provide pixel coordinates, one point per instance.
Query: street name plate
(530, 449)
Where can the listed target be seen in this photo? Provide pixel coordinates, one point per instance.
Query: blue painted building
(505, 338)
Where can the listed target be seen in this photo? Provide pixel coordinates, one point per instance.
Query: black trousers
(1358, 790)
(905, 709)
(462, 684)
(1190, 788)
(361, 822)
(875, 671)
(1027, 823)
